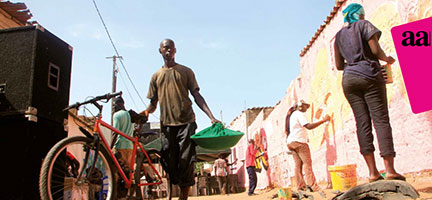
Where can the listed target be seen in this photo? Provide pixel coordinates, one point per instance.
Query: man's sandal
(400, 178)
(371, 180)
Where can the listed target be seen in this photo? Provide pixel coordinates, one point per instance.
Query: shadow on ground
(425, 190)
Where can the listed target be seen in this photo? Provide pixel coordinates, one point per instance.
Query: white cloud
(219, 44)
(76, 30)
(86, 30)
(132, 43)
(98, 35)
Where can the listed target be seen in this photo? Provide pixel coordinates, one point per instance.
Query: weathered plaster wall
(319, 83)
(239, 152)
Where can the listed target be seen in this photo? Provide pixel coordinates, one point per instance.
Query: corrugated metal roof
(259, 108)
(321, 28)
(19, 11)
(252, 109)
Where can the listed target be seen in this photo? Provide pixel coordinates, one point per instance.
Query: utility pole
(246, 124)
(221, 116)
(114, 81)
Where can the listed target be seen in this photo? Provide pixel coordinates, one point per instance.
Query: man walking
(221, 172)
(170, 86)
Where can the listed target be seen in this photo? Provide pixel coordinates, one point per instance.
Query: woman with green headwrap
(357, 53)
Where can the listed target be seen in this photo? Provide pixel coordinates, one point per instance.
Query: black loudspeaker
(23, 146)
(35, 68)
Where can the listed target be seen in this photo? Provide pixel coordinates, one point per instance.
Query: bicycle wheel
(143, 175)
(59, 179)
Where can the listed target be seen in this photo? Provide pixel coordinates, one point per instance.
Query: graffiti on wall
(328, 98)
(384, 18)
(261, 161)
(325, 94)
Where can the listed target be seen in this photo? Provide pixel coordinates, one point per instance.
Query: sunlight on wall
(384, 18)
(320, 84)
(326, 97)
(424, 9)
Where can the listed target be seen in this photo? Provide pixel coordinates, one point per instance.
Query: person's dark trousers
(178, 153)
(368, 100)
(252, 179)
(222, 182)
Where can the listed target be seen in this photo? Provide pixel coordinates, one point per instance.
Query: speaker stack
(35, 69)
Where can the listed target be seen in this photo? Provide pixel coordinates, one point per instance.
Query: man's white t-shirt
(298, 132)
(220, 165)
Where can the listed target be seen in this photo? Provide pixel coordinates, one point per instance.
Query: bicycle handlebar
(107, 96)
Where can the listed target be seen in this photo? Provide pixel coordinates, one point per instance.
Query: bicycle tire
(142, 192)
(56, 183)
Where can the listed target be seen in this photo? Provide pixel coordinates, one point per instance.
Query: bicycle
(95, 156)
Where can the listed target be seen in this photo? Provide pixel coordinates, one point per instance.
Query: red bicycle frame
(136, 144)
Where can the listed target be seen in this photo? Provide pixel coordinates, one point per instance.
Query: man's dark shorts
(178, 153)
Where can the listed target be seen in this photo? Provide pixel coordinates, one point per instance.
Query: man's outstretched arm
(199, 100)
(151, 108)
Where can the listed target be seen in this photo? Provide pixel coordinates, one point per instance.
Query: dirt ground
(422, 183)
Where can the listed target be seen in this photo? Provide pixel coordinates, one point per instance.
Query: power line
(117, 53)
(127, 89)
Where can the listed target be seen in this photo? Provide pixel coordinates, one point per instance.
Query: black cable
(127, 89)
(118, 55)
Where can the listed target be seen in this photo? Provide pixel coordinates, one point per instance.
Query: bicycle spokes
(94, 171)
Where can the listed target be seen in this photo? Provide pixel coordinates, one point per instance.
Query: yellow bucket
(284, 194)
(343, 177)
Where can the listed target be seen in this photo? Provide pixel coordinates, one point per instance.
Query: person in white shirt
(221, 172)
(297, 142)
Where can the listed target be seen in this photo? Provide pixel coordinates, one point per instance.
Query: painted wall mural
(325, 92)
(261, 161)
(319, 83)
(326, 99)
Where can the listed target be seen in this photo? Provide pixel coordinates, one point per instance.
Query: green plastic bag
(217, 137)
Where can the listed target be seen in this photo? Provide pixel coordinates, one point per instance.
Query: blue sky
(243, 53)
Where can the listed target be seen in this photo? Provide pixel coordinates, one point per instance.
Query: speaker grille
(35, 69)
